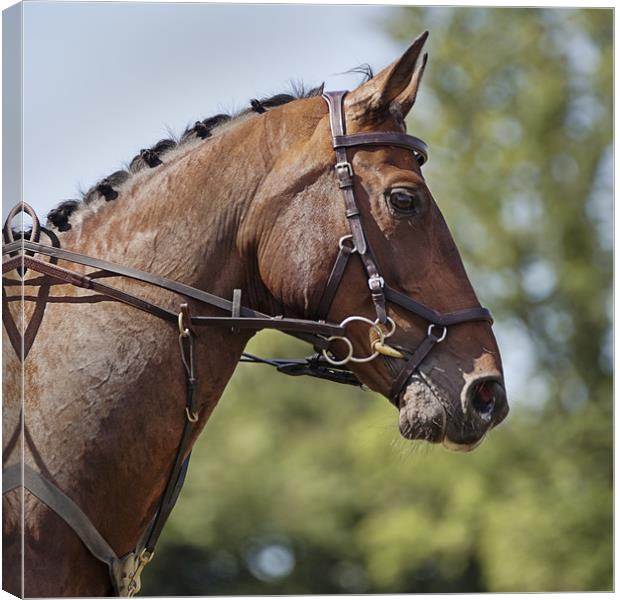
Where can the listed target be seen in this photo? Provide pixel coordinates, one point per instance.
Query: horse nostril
(486, 397)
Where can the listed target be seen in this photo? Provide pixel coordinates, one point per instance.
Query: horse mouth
(424, 417)
(431, 432)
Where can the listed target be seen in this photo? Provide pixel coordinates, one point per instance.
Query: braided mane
(63, 216)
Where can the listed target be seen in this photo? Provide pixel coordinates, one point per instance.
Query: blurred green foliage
(299, 486)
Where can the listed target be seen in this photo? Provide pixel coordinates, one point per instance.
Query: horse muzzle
(426, 413)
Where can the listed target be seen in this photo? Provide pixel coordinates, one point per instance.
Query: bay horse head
(318, 211)
(405, 278)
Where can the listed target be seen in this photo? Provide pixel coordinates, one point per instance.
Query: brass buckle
(135, 584)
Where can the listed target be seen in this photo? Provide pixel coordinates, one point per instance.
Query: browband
(384, 138)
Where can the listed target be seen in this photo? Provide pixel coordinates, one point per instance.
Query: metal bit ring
(377, 328)
(346, 359)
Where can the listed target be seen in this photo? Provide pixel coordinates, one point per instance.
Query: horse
(311, 212)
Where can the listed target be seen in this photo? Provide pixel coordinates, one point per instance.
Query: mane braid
(109, 188)
(59, 217)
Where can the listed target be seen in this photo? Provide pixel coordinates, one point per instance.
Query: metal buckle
(344, 173)
(376, 283)
(135, 583)
(344, 165)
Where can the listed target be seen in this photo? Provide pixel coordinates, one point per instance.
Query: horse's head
(434, 353)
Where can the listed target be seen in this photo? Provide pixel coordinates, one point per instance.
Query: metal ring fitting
(443, 335)
(373, 324)
(376, 325)
(192, 417)
(347, 358)
(347, 237)
(392, 325)
(183, 331)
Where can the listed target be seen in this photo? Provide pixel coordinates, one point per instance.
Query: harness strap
(384, 138)
(334, 281)
(63, 506)
(309, 331)
(413, 363)
(125, 572)
(432, 316)
(14, 334)
(180, 464)
(22, 207)
(344, 173)
(167, 504)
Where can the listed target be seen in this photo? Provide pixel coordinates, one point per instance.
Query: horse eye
(403, 201)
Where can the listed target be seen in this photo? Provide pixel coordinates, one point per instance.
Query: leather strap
(83, 281)
(7, 232)
(14, 334)
(344, 173)
(307, 330)
(384, 138)
(63, 506)
(432, 316)
(168, 501)
(413, 363)
(162, 282)
(285, 325)
(335, 277)
(180, 464)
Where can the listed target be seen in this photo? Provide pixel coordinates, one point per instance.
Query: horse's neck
(123, 366)
(181, 221)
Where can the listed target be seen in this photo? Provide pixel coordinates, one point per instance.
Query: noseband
(125, 570)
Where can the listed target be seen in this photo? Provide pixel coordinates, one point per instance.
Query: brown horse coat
(256, 207)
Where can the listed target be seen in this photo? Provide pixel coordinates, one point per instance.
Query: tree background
(299, 486)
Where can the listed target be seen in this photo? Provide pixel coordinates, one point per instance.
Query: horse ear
(371, 101)
(406, 100)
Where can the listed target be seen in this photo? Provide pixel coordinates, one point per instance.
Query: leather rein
(125, 571)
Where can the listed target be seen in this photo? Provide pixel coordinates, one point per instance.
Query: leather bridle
(125, 571)
(381, 292)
